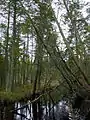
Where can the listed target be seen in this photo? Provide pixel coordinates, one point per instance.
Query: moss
(18, 93)
(22, 92)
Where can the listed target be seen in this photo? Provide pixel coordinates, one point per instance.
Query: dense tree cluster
(40, 49)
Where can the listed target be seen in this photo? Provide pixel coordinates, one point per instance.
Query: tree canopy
(43, 44)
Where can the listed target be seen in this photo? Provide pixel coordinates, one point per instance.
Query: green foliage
(19, 93)
(59, 93)
(30, 57)
(25, 27)
(2, 25)
(88, 28)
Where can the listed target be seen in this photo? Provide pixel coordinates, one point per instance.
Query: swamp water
(59, 111)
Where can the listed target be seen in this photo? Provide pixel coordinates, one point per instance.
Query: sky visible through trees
(21, 22)
(44, 46)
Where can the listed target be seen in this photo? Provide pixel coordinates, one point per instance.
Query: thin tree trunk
(11, 86)
(6, 52)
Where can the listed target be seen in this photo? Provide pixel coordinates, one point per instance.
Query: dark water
(59, 111)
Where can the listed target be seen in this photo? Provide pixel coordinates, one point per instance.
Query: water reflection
(59, 111)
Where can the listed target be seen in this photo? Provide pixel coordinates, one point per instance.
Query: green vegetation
(40, 50)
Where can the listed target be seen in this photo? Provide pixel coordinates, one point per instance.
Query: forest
(44, 59)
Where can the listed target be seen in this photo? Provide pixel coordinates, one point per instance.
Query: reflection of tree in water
(59, 112)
